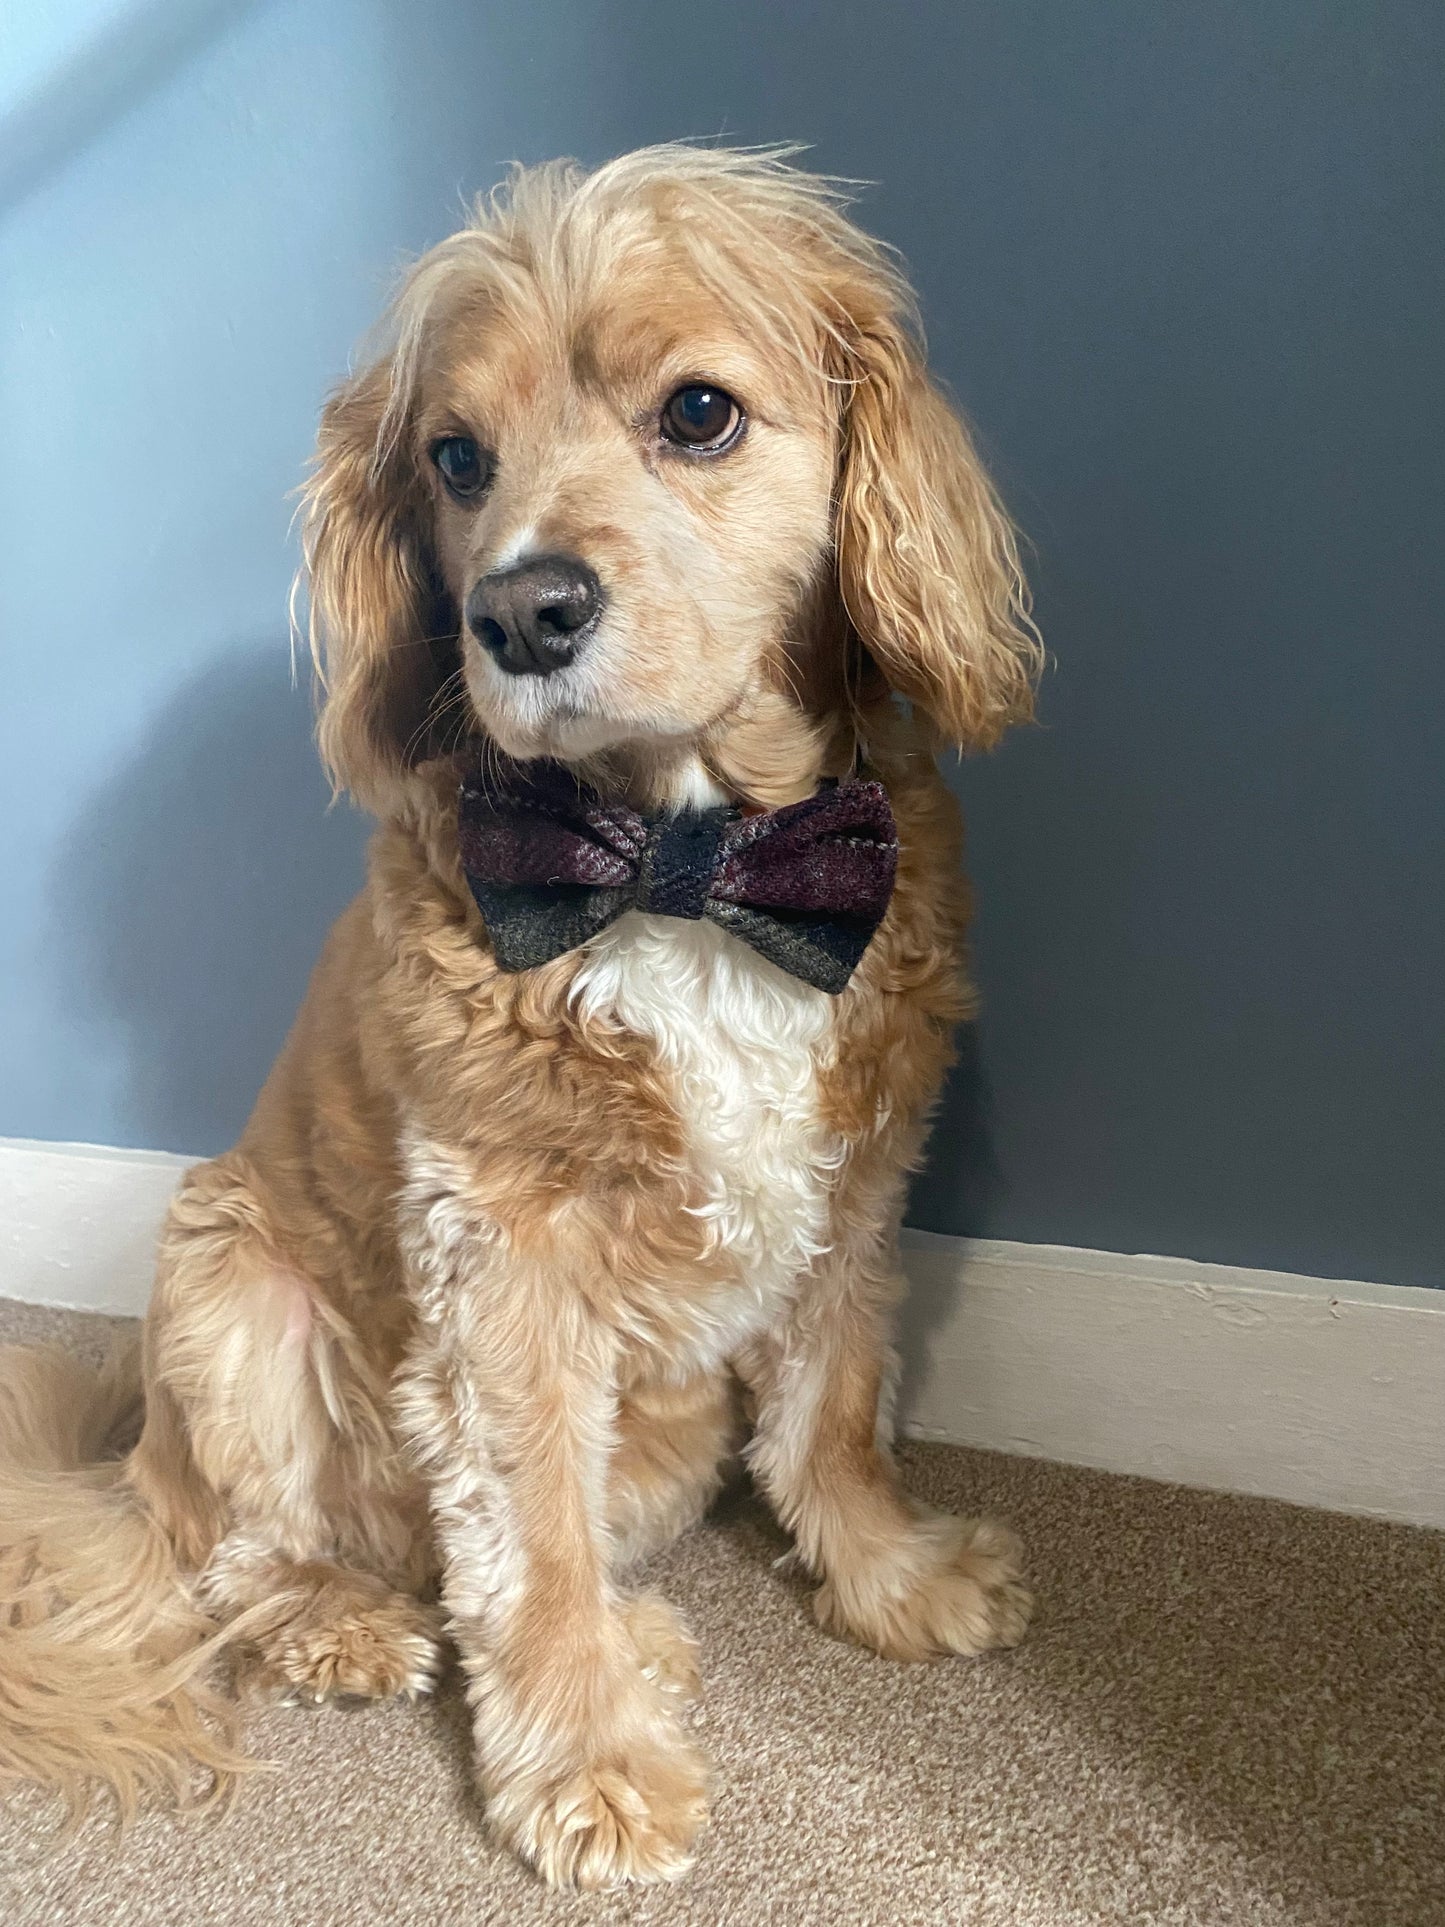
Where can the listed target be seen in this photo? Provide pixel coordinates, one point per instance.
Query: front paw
(955, 1587)
(631, 1814)
(352, 1638)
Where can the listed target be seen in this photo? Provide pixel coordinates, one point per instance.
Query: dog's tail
(103, 1652)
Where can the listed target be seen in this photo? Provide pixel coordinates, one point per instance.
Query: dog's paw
(666, 1651)
(956, 1588)
(350, 1641)
(631, 1818)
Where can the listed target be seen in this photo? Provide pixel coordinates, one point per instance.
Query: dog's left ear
(927, 559)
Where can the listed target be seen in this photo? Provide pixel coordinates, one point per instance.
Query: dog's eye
(702, 418)
(464, 468)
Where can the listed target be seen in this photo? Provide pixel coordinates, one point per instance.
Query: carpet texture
(1230, 1713)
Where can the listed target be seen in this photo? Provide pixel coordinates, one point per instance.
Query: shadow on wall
(961, 1183)
(195, 893)
(956, 1193)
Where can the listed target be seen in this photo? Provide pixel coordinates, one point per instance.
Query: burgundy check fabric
(550, 864)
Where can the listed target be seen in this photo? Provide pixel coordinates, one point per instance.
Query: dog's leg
(318, 1628)
(673, 1440)
(269, 1458)
(509, 1400)
(908, 1582)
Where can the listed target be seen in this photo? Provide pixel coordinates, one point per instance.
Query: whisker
(442, 699)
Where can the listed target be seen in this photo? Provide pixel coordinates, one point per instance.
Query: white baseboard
(78, 1223)
(1323, 1392)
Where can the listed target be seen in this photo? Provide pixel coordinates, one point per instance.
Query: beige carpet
(1229, 1712)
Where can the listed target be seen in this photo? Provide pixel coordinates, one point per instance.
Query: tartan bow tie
(550, 864)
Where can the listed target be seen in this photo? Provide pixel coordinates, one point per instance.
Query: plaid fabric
(550, 864)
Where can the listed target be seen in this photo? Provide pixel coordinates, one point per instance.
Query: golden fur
(492, 1287)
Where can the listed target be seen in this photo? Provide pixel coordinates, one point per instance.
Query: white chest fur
(742, 1042)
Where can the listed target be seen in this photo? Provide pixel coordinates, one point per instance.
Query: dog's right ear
(379, 624)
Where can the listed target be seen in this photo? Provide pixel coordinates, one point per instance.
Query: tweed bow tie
(550, 864)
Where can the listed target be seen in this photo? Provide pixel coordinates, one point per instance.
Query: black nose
(537, 616)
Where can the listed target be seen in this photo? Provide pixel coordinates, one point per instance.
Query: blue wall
(201, 207)
(1184, 267)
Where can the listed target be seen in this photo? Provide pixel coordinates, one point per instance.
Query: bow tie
(550, 864)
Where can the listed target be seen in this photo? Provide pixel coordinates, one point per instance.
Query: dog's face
(629, 495)
(654, 474)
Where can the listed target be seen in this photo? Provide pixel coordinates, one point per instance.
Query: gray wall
(1183, 267)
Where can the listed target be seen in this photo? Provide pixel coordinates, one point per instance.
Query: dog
(648, 571)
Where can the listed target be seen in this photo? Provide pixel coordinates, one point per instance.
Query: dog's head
(652, 478)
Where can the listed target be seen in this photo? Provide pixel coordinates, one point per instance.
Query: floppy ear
(927, 560)
(382, 632)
